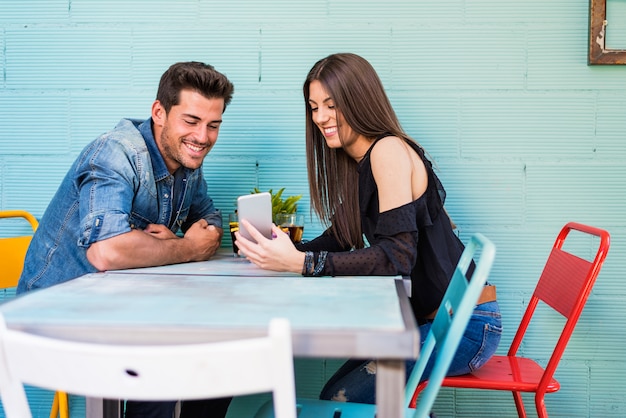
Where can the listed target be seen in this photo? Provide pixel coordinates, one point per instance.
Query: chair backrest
(13, 250)
(149, 373)
(451, 320)
(564, 285)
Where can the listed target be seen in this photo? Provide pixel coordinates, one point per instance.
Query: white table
(366, 317)
(224, 263)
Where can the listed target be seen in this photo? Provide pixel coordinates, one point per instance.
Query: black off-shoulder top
(415, 240)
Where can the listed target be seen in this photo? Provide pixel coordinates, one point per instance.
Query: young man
(136, 196)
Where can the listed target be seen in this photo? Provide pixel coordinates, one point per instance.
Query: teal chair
(445, 335)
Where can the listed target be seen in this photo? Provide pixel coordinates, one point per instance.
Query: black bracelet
(321, 262)
(312, 267)
(308, 267)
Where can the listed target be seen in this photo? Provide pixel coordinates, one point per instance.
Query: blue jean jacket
(118, 182)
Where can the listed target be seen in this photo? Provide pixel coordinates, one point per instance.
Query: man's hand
(160, 231)
(205, 239)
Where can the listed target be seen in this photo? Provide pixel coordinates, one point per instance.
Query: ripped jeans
(355, 381)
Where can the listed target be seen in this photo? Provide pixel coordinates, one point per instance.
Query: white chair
(148, 373)
(13, 250)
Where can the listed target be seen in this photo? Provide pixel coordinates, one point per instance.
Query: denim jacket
(118, 182)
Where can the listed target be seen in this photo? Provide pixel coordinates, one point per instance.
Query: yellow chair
(13, 250)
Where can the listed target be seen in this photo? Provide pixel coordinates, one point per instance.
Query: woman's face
(326, 117)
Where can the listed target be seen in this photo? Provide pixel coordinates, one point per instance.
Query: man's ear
(158, 113)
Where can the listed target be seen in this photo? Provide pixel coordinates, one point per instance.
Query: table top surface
(365, 316)
(224, 263)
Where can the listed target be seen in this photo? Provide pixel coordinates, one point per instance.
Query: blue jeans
(355, 381)
(141, 409)
(202, 408)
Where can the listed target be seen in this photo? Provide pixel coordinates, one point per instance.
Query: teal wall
(525, 134)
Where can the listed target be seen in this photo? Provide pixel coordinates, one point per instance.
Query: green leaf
(280, 205)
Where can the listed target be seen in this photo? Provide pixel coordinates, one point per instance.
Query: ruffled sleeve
(392, 251)
(325, 242)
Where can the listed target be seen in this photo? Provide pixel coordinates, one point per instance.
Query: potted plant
(280, 204)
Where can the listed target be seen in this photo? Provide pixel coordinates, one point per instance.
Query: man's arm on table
(155, 246)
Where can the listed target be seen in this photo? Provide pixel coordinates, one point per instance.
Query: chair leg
(540, 403)
(60, 406)
(64, 410)
(54, 410)
(519, 404)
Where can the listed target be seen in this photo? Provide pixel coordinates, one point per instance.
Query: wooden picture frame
(598, 54)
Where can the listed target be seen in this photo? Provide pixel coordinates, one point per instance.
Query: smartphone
(256, 208)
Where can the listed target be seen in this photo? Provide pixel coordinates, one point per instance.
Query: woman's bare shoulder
(388, 144)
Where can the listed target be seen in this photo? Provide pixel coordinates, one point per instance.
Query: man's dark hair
(195, 76)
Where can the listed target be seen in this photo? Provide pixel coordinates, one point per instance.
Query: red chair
(564, 285)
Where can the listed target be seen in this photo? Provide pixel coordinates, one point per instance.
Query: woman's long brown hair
(359, 96)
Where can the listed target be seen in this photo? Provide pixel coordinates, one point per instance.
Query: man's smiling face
(187, 133)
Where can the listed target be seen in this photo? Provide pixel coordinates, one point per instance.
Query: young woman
(367, 177)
